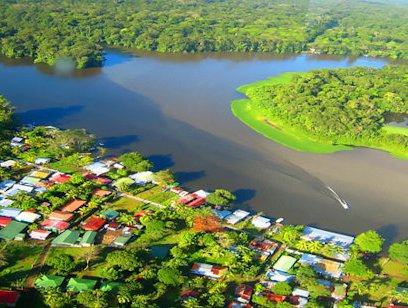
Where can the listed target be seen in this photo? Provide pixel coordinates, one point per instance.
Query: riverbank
(278, 130)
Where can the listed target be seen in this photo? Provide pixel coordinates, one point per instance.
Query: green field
(247, 111)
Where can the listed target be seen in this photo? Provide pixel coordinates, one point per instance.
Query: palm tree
(302, 245)
(126, 219)
(314, 246)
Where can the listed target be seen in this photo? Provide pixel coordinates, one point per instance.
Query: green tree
(399, 252)
(369, 241)
(134, 162)
(123, 259)
(93, 299)
(357, 268)
(164, 177)
(221, 197)
(61, 263)
(170, 276)
(282, 288)
(56, 299)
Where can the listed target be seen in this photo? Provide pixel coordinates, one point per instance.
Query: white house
(97, 168)
(261, 222)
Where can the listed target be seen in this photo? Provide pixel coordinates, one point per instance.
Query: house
(261, 222)
(41, 174)
(27, 216)
(113, 226)
(110, 214)
(30, 180)
(326, 237)
(81, 285)
(279, 276)
(274, 297)
(5, 202)
(339, 291)
(59, 215)
(17, 140)
(186, 294)
(236, 217)
(8, 163)
(13, 229)
(300, 292)
(322, 266)
(122, 240)
(196, 202)
(118, 166)
(54, 225)
(265, 248)
(60, 178)
(18, 188)
(111, 286)
(6, 185)
(42, 160)
(88, 238)
(97, 168)
(4, 221)
(208, 270)
(9, 298)
(284, 264)
(49, 281)
(67, 238)
(97, 192)
(243, 293)
(93, 224)
(39, 234)
(142, 178)
(222, 213)
(9, 212)
(100, 180)
(73, 206)
(234, 304)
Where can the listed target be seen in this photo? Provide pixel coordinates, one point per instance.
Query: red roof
(189, 293)
(4, 221)
(54, 224)
(244, 291)
(187, 199)
(196, 202)
(93, 224)
(60, 178)
(113, 225)
(73, 206)
(9, 298)
(59, 215)
(101, 193)
(274, 297)
(99, 179)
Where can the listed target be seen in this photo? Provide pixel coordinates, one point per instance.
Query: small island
(329, 110)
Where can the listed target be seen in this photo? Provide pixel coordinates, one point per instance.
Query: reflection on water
(175, 110)
(396, 119)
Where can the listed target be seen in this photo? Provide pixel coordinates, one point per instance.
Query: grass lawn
(156, 194)
(395, 130)
(126, 204)
(21, 257)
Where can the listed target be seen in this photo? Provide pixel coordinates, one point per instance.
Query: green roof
(12, 230)
(88, 237)
(81, 285)
(68, 237)
(284, 263)
(123, 239)
(111, 286)
(49, 281)
(110, 214)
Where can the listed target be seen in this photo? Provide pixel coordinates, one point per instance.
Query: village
(105, 205)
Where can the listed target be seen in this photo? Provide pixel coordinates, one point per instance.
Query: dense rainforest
(339, 106)
(47, 30)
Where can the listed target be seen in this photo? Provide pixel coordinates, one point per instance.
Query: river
(175, 110)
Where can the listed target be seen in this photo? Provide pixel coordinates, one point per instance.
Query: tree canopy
(399, 251)
(369, 241)
(221, 197)
(66, 31)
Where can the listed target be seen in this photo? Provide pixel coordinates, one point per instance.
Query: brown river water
(175, 110)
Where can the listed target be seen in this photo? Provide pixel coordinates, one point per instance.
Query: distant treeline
(48, 29)
(340, 106)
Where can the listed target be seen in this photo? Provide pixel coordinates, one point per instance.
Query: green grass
(21, 257)
(126, 204)
(395, 130)
(395, 269)
(295, 139)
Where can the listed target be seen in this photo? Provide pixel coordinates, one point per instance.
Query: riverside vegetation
(48, 30)
(137, 276)
(325, 111)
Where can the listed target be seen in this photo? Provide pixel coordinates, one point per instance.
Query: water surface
(175, 109)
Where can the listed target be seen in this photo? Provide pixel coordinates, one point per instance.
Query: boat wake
(336, 196)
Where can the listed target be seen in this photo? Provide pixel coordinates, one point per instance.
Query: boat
(343, 202)
(279, 220)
